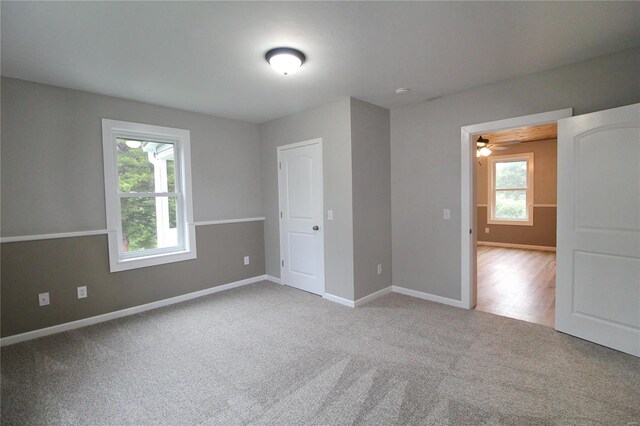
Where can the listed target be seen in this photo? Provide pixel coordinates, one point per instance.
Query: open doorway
(516, 191)
(470, 233)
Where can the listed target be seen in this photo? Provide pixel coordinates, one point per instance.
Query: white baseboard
(370, 297)
(273, 279)
(395, 289)
(428, 296)
(519, 246)
(340, 300)
(359, 302)
(29, 335)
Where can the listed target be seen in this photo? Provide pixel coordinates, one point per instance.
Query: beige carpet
(267, 354)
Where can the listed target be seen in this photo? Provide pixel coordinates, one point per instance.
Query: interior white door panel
(301, 218)
(598, 251)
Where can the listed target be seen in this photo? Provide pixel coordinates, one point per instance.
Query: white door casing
(598, 244)
(468, 237)
(300, 196)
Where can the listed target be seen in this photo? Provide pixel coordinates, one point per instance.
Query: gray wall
(60, 265)
(52, 171)
(52, 182)
(371, 164)
(425, 156)
(332, 124)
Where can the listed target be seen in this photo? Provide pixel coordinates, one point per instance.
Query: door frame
(316, 141)
(468, 208)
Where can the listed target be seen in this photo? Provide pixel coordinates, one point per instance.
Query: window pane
(512, 174)
(145, 166)
(148, 223)
(511, 205)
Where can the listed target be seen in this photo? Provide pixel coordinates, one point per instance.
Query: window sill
(153, 260)
(116, 264)
(510, 222)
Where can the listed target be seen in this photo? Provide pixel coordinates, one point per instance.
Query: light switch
(486, 230)
(447, 213)
(329, 214)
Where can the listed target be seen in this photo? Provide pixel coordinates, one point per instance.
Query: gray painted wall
(60, 265)
(371, 164)
(332, 124)
(52, 181)
(52, 171)
(425, 156)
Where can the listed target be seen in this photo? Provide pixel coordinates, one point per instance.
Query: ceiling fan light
(485, 152)
(482, 141)
(285, 60)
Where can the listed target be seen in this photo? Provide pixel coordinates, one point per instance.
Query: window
(148, 194)
(511, 189)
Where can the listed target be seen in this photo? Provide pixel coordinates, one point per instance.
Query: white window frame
(181, 139)
(492, 161)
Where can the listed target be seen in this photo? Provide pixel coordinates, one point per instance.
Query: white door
(301, 224)
(598, 252)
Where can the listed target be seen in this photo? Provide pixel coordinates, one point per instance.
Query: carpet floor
(268, 354)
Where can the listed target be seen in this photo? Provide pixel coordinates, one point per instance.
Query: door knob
(316, 227)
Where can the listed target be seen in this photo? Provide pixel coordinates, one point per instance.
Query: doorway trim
(468, 210)
(279, 149)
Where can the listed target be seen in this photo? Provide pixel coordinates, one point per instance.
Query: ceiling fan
(484, 148)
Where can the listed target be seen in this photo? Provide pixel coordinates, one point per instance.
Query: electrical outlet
(379, 268)
(447, 213)
(486, 230)
(82, 292)
(246, 260)
(43, 299)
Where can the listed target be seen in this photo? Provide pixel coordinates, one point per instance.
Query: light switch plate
(246, 260)
(447, 213)
(329, 214)
(486, 230)
(82, 292)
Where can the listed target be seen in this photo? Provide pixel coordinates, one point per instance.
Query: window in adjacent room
(148, 194)
(511, 189)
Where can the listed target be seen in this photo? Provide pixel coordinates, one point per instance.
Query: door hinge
(282, 263)
(470, 232)
(280, 165)
(280, 215)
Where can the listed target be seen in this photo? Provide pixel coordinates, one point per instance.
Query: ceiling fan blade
(508, 143)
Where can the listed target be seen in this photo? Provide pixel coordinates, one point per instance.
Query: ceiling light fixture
(133, 144)
(285, 60)
(482, 142)
(402, 91)
(485, 152)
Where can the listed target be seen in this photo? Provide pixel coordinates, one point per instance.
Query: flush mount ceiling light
(402, 91)
(285, 60)
(133, 144)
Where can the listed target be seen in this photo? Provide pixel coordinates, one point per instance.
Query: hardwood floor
(517, 283)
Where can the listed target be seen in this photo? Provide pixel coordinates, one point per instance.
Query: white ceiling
(209, 57)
